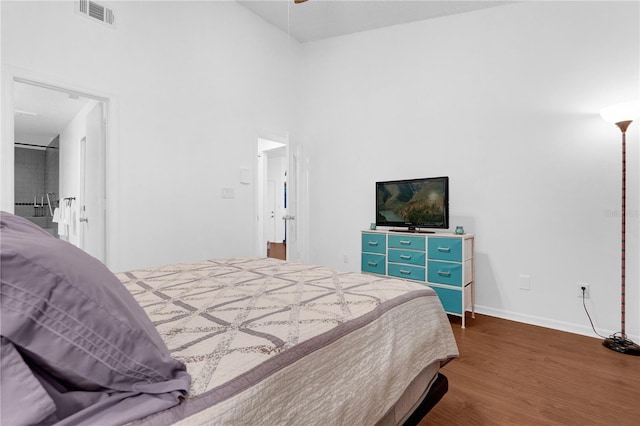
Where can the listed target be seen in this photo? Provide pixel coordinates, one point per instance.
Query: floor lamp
(622, 115)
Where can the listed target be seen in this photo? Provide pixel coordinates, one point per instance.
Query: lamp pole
(619, 342)
(623, 125)
(622, 115)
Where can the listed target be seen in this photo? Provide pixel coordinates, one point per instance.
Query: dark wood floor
(511, 373)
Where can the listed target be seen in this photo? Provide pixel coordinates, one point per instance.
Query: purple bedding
(76, 347)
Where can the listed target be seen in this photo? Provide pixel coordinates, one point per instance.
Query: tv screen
(413, 203)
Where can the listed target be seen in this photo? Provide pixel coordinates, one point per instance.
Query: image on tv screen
(411, 202)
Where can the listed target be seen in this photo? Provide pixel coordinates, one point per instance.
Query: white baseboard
(548, 323)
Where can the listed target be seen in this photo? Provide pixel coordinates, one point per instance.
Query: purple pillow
(26, 390)
(70, 317)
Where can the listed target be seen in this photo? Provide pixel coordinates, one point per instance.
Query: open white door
(296, 202)
(93, 186)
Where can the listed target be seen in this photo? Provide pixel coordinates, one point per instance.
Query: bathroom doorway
(59, 163)
(282, 197)
(272, 198)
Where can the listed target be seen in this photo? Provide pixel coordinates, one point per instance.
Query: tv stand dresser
(443, 261)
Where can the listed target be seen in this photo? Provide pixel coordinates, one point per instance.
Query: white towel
(72, 222)
(64, 217)
(57, 218)
(65, 214)
(63, 228)
(56, 215)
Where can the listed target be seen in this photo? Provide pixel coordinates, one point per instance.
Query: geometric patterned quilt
(225, 318)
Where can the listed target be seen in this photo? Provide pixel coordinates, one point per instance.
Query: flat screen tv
(413, 203)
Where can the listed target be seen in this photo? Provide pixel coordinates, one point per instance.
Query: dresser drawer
(451, 299)
(445, 249)
(406, 271)
(374, 243)
(374, 263)
(407, 256)
(445, 273)
(413, 242)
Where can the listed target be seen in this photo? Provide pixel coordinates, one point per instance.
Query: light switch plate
(228, 193)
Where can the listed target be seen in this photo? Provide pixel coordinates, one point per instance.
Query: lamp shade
(626, 111)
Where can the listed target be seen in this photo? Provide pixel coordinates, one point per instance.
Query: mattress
(273, 342)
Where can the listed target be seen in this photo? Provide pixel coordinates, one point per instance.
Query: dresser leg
(473, 299)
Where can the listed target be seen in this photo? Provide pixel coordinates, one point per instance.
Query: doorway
(272, 198)
(291, 221)
(59, 179)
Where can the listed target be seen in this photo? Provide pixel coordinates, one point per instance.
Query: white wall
(505, 101)
(193, 84)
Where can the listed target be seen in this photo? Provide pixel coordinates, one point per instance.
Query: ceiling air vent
(96, 11)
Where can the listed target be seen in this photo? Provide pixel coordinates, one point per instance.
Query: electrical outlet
(345, 258)
(586, 290)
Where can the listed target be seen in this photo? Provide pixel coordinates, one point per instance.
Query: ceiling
(319, 19)
(41, 114)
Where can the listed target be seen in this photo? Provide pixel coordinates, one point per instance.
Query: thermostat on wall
(245, 175)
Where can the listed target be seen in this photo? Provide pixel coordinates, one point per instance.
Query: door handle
(84, 219)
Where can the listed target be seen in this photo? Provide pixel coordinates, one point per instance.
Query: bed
(237, 341)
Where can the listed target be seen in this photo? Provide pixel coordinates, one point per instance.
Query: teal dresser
(442, 261)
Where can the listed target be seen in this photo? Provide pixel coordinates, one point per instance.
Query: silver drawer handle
(405, 242)
(444, 273)
(405, 256)
(373, 243)
(372, 263)
(445, 249)
(404, 271)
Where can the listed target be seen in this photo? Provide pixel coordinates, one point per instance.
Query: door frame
(301, 195)
(10, 75)
(260, 192)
